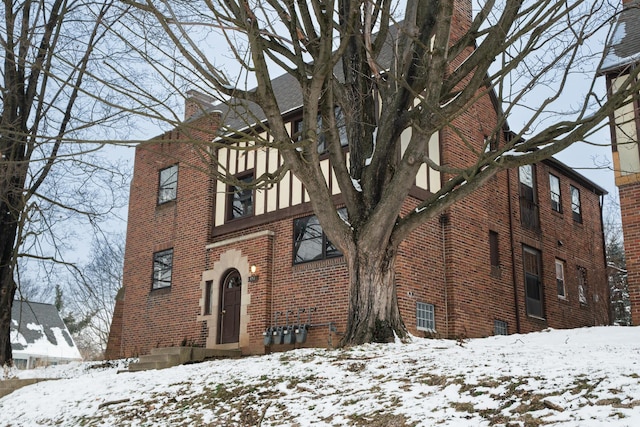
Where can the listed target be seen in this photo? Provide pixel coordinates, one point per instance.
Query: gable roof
(623, 47)
(38, 330)
(238, 114)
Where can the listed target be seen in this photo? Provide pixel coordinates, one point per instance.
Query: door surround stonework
(231, 259)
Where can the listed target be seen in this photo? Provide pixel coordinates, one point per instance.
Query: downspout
(607, 302)
(513, 254)
(443, 223)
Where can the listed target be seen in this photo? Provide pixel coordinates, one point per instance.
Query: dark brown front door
(230, 307)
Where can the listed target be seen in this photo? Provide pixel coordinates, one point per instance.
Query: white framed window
(167, 184)
(576, 208)
(556, 198)
(425, 317)
(562, 289)
(500, 327)
(582, 285)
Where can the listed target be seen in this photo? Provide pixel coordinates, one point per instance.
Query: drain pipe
(513, 254)
(443, 223)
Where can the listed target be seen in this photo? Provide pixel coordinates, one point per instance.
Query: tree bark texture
(374, 315)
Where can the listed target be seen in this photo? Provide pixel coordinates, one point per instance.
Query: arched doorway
(230, 307)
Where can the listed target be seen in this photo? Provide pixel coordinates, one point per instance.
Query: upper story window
(528, 199)
(562, 291)
(554, 188)
(575, 204)
(240, 201)
(582, 285)
(168, 184)
(494, 249)
(533, 282)
(162, 269)
(322, 133)
(309, 241)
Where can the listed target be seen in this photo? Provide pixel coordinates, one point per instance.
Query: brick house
(622, 57)
(209, 264)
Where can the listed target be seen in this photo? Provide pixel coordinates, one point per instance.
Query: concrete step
(162, 358)
(183, 353)
(145, 366)
(214, 353)
(166, 357)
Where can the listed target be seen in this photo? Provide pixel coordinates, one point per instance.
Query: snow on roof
(623, 47)
(37, 330)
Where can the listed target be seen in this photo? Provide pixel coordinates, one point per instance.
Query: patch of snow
(367, 161)
(356, 185)
(590, 374)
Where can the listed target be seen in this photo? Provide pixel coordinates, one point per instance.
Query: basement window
(425, 317)
(500, 327)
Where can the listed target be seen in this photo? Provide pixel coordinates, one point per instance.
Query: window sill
(308, 265)
(533, 317)
(160, 291)
(563, 299)
(165, 204)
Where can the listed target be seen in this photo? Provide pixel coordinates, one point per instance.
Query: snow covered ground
(582, 377)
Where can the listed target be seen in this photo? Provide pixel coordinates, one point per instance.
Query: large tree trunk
(8, 230)
(374, 315)
(13, 174)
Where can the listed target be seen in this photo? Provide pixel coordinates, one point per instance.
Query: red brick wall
(114, 343)
(166, 317)
(629, 196)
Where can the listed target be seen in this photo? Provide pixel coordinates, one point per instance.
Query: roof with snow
(623, 47)
(37, 330)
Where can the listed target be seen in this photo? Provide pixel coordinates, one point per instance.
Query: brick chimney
(197, 103)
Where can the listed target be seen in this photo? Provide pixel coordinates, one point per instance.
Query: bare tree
(397, 71)
(48, 172)
(92, 294)
(616, 264)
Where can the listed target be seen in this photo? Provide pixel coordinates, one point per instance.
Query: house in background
(39, 337)
(622, 56)
(213, 265)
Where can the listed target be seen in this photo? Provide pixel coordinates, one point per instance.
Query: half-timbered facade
(622, 58)
(219, 265)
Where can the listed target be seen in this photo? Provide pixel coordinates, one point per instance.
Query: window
(494, 249)
(554, 187)
(582, 285)
(240, 199)
(500, 327)
(322, 143)
(168, 184)
(528, 202)
(208, 287)
(425, 317)
(162, 267)
(575, 204)
(562, 292)
(533, 282)
(309, 241)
